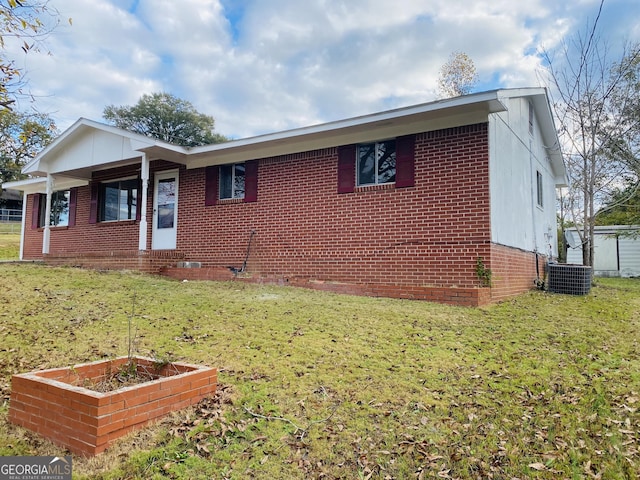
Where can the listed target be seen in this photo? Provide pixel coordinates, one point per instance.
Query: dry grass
(317, 385)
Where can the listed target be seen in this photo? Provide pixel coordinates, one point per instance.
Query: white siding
(574, 255)
(605, 255)
(629, 251)
(516, 218)
(93, 148)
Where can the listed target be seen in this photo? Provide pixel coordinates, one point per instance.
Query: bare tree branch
(594, 105)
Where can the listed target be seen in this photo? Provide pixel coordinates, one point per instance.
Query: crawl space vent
(569, 279)
(189, 265)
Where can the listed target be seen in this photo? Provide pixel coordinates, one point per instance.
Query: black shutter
(139, 201)
(35, 210)
(93, 204)
(251, 181)
(211, 185)
(405, 161)
(73, 200)
(346, 168)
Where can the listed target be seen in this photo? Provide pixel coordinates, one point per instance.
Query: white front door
(165, 210)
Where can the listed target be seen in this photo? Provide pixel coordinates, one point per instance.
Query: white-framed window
(376, 163)
(118, 200)
(539, 189)
(232, 181)
(59, 209)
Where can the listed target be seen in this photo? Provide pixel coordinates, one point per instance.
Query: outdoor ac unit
(569, 279)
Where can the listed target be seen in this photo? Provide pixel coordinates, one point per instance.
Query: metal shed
(616, 251)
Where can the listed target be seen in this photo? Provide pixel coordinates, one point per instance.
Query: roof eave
(403, 121)
(549, 134)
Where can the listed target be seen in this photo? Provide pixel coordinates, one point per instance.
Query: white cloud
(266, 66)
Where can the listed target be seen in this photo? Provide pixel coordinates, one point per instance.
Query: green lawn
(319, 385)
(9, 246)
(10, 227)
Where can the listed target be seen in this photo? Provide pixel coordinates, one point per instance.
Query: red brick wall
(513, 271)
(32, 238)
(427, 235)
(107, 245)
(87, 422)
(415, 242)
(84, 237)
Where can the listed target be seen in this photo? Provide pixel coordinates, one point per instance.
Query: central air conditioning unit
(569, 279)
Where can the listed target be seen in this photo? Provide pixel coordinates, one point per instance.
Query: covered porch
(98, 177)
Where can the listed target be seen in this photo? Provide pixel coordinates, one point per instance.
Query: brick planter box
(54, 404)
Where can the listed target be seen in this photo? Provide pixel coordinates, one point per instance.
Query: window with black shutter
(377, 163)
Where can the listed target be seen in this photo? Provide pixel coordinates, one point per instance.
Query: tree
(594, 101)
(458, 76)
(167, 118)
(623, 205)
(29, 22)
(22, 137)
(622, 209)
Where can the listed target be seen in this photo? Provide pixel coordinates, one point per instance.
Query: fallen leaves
(206, 426)
(534, 388)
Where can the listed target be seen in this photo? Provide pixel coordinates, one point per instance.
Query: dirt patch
(129, 374)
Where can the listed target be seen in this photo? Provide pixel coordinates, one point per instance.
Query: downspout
(46, 239)
(144, 177)
(534, 195)
(24, 225)
(534, 186)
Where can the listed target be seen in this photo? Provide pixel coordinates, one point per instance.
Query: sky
(261, 66)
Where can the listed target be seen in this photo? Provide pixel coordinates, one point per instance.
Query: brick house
(452, 201)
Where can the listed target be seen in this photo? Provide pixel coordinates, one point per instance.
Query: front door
(165, 210)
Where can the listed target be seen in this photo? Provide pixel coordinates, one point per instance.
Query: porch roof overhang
(39, 184)
(89, 146)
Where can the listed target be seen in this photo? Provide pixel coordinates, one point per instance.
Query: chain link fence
(10, 220)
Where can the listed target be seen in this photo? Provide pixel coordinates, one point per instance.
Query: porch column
(24, 224)
(46, 238)
(144, 176)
